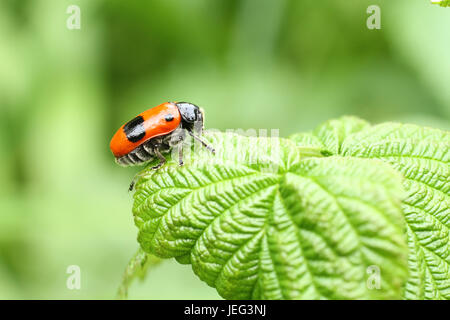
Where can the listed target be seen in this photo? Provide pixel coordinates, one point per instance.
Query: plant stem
(137, 267)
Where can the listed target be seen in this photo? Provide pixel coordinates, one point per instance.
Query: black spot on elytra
(134, 130)
(169, 117)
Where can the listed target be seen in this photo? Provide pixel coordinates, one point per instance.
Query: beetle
(156, 131)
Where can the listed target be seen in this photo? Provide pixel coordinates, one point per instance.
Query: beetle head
(191, 115)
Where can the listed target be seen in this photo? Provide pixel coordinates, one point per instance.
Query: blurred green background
(285, 64)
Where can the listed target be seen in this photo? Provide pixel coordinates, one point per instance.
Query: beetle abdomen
(139, 155)
(145, 152)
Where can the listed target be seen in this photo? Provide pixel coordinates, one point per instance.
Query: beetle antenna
(202, 111)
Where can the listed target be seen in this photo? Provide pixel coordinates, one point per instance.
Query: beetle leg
(207, 146)
(180, 154)
(161, 158)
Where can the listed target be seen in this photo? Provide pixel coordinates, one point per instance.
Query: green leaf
(331, 134)
(442, 3)
(421, 155)
(265, 219)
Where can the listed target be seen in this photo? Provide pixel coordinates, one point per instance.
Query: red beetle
(152, 133)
